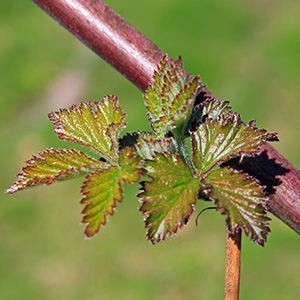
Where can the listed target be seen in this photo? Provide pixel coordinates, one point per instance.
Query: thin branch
(233, 265)
(136, 57)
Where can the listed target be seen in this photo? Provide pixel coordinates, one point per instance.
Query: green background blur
(247, 52)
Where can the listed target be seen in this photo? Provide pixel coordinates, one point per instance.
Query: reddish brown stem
(132, 54)
(109, 35)
(233, 265)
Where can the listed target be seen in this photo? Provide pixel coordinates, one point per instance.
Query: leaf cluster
(95, 126)
(175, 180)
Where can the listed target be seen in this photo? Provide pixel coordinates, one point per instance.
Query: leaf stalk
(233, 265)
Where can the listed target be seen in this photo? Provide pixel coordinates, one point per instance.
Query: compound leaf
(168, 199)
(170, 99)
(223, 138)
(93, 125)
(242, 200)
(102, 190)
(53, 165)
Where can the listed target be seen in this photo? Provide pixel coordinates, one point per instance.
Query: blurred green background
(247, 52)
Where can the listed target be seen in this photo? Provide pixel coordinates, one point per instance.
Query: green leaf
(168, 199)
(53, 165)
(168, 80)
(214, 108)
(103, 189)
(148, 145)
(129, 170)
(242, 200)
(93, 125)
(170, 99)
(221, 139)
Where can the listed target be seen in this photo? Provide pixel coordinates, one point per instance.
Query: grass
(247, 52)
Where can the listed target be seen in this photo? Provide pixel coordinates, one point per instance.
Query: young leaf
(176, 117)
(241, 199)
(226, 137)
(214, 108)
(170, 99)
(129, 165)
(168, 199)
(102, 190)
(53, 165)
(93, 125)
(148, 146)
(210, 108)
(168, 80)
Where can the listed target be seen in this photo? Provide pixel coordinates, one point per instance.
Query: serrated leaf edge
(169, 122)
(263, 204)
(86, 204)
(154, 139)
(146, 215)
(226, 119)
(47, 180)
(93, 108)
(120, 182)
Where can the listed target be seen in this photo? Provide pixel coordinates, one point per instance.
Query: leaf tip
(11, 190)
(271, 137)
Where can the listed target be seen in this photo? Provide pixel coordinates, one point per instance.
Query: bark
(136, 57)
